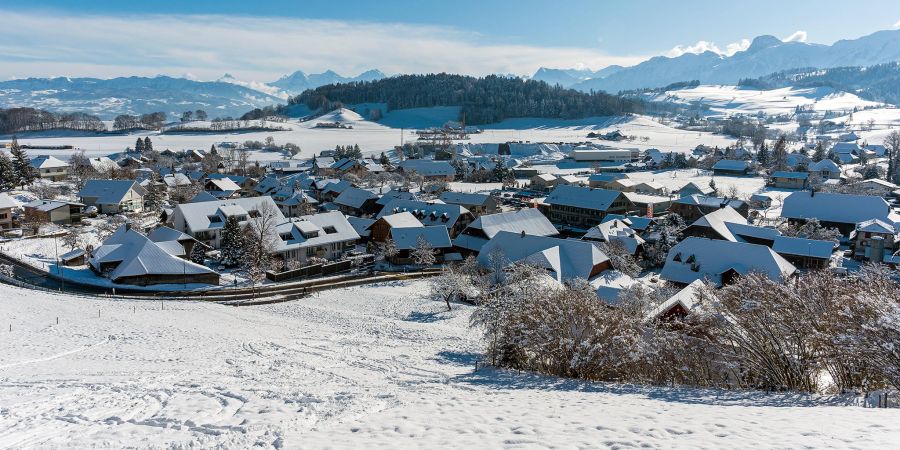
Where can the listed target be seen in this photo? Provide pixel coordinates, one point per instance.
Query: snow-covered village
(491, 237)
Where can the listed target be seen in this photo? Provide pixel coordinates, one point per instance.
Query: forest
(15, 120)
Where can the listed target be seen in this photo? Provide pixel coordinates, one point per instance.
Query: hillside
(765, 55)
(880, 83)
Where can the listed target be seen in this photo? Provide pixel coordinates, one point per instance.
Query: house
(74, 257)
(205, 220)
(347, 165)
(529, 221)
(128, 257)
(789, 180)
(616, 230)
(429, 169)
(49, 168)
(729, 225)
(113, 196)
(362, 226)
(583, 207)
(323, 166)
(102, 164)
(692, 188)
(174, 242)
(875, 186)
(298, 204)
(356, 202)
(222, 188)
(731, 167)
(841, 211)
(380, 230)
(542, 182)
(760, 201)
(407, 239)
(454, 217)
(678, 306)
(394, 194)
(636, 223)
(693, 207)
(477, 204)
(330, 189)
(54, 211)
(326, 235)
(175, 180)
(7, 204)
(247, 184)
(720, 262)
(622, 185)
(571, 180)
(650, 187)
(647, 204)
(603, 180)
(805, 253)
(873, 238)
(564, 259)
(823, 170)
(610, 285)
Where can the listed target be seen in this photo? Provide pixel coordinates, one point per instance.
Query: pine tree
(232, 248)
(153, 199)
(148, 144)
(819, 154)
(213, 151)
(779, 154)
(198, 253)
(762, 156)
(712, 185)
(139, 145)
(24, 173)
(383, 160)
(7, 174)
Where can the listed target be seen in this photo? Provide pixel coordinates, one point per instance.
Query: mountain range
(299, 81)
(765, 55)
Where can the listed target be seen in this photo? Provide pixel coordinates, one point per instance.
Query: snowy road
(374, 366)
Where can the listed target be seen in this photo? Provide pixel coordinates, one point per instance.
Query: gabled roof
(48, 205)
(327, 228)
(785, 245)
(731, 164)
(545, 177)
(732, 226)
(709, 201)
(427, 213)
(361, 225)
(334, 186)
(686, 297)
(566, 258)
(615, 230)
(163, 234)
(698, 258)
(791, 175)
(177, 179)
(109, 192)
(636, 223)
(837, 208)
(528, 220)
(824, 165)
(196, 215)
(582, 197)
(875, 226)
(222, 185)
(606, 177)
(7, 202)
(428, 168)
(47, 162)
(139, 256)
(692, 186)
(407, 238)
(395, 194)
(403, 219)
(464, 198)
(354, 197)
(203, 196)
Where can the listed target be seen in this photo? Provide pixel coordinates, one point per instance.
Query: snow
(726, 100)
(373, 367)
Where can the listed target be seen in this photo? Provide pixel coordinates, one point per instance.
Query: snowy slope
(373, 367)
(738, 100)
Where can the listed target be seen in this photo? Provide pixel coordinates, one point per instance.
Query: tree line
(16, 120)
(880, 82)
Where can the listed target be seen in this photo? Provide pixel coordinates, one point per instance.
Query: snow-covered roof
(361, 225)
(803, 247)
(615, 230)
(7, 202)
(610, 284)
(197, 215)
(427, 213)
(47, 162)
(845, 147)
(428, 168)
(791, 175)
(691, 186)
(354, 197)
(731, 164)
(464, 198)
(407, 238)
(527, 220)
(162, 234)
(48, 205)
(403, 219)
(222, 185)
(109, 192)
(314, 231)
(582, 197)
(566, 258)
(395, 194)
(139, 256)
(732, 226)
(177, 179)
(710, 201)
(876, 183)
(837, 208)
(333, 186)
(203, 196)
(698, 258)
(686, 297)
(824, 165)
(635, 222)
(545, 177)
(875, 226)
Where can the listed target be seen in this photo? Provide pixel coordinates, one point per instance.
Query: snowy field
(727, 100)
(372, 367)
(374, 138)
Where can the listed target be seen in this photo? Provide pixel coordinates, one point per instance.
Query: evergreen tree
(779, 154)
(8, 178)
(231, 251)
(213, 151)
(148, 144)
(153, 199)
(819, 153)
(712, 185)
(198, 253)
(762, 156)
(681, 161)
(383, 160)
(24, 173)
(139, 145)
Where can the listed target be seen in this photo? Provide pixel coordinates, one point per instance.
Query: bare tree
(423, 254)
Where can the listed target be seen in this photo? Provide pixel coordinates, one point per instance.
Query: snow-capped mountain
(255, 85)
(299, 81)
(107, 98)
(569, 77)
(766, 55)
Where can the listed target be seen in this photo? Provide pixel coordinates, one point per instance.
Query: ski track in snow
(374, 367)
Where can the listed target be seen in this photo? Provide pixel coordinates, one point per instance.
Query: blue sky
(261, 40)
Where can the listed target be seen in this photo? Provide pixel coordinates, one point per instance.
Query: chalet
(7, 204)
(407, 239)
(380, 230)
(326, 235)
(113, 196)
(729, 225)
(564, 259)
(348, 165)
(841, 211)
(616, 230)
(456, 218)
(478, 204)
(290, 166)
(650, 187)
(847, 152)
(175, 180)
(54, 211)
(875, 186)
(247, 184)
(693, 207)
(356, 202)
(429, 169)
(205, 220)
(873, 239)
(692, 188)
(603, 180)
(330, 189)
(720, 262)
(529, 221)
(394, 194)
(582, 207)
(362, 227)
(128, 257)
(789, 180)
(49, 168)
(542, 182)
(732, 167)
(805, 253)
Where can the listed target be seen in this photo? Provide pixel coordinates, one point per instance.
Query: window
(286, 236)
(329, 229)
(214, 219)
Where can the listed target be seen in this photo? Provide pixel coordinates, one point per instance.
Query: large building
(582, 207)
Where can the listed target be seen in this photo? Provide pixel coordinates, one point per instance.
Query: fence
(320, 269)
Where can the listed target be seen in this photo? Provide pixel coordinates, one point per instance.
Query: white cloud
(897, 25)
(798, 36)
(254, 48)
(708, 46)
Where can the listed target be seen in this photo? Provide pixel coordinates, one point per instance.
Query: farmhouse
(584, 207)
(720, 261)
(529, 221)
(205, 220)
(454, 217)
(478, 204)
(113, 196)
(564, 259)
(789, 180)
(841, 211)
(731, 167)
(54, 211)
